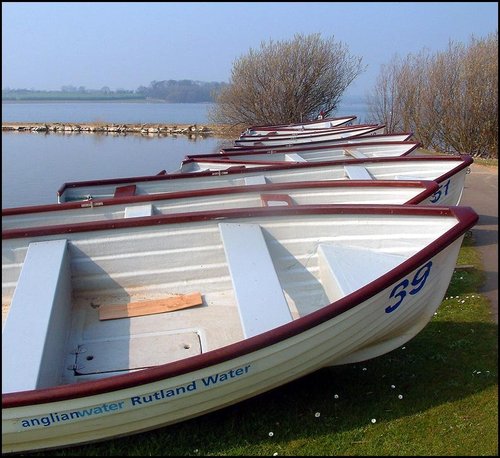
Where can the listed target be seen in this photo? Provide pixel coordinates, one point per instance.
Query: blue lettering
(135, 400)
(439, 193)
(211, 380)
(418, 282)
(232, 373)
(55, 417)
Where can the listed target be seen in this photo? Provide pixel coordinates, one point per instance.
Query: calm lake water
(116, 112)
(35, 165)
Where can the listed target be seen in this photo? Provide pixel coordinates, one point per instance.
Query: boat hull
(390, 309)
(152, 405)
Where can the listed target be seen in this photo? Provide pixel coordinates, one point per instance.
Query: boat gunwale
(466, 218)
(429, 187)
(466, 161)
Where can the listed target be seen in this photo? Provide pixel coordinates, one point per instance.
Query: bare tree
(286, 81)
(473, 128)
(401, 99)
(449, 99)
(383, 100)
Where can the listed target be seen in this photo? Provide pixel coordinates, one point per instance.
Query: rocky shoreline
(217, 130)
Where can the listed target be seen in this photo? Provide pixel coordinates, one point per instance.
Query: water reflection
(35, 165)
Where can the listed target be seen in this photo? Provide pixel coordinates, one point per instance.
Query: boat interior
(83, 306)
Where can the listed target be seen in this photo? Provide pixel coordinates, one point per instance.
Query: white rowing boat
(307, 125)
(341, 151)
(310, 137)
(375, 138)
(447, 171)
(118, 327)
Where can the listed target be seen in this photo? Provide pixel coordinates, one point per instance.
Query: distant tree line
(184, 91)
(448, 99)
(66, 94)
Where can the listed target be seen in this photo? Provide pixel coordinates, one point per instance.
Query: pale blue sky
(129, 44)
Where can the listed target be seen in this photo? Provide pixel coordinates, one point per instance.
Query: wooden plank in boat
(168, 304)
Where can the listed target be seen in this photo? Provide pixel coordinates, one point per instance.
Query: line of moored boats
(135, 303)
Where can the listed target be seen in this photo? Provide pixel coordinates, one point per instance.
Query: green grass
(493, 162)
(446, 377)
(490, 162)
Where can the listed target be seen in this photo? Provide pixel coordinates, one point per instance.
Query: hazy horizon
(46, 46)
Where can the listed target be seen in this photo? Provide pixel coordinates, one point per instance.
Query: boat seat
(125, 191)
(345, 269)
(257, 179)
(261, 302)
(269, 200)
(139, 210)
(294, 157)
(34, 336)
(357, 172)
(356, 154)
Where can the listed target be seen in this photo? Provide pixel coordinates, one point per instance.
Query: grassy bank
(436, 395)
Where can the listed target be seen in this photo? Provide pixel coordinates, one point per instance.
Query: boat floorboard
(98, 348)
